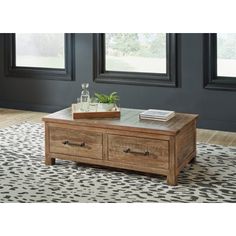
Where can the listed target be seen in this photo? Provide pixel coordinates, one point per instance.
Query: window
(40, 50)
(136, 52)
(220, 61)
(226, 55)
(147, 59)
(44, 56)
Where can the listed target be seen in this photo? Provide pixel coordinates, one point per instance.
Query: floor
(11, 116)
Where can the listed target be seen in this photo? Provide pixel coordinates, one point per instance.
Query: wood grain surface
(129, 120)
(128, 142)
(138, 151)
(73, 142)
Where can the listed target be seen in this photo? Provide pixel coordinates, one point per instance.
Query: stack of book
(160, 115)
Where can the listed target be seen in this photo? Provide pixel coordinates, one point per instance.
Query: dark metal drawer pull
(146, 153)
(74, 144)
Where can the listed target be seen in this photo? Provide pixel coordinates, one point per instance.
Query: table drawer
(76, 142)
(142, 152)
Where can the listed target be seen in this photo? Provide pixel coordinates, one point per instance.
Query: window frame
(211, 79)
(169, 79)
(12, 70)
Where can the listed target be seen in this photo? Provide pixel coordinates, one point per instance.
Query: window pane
(226, 55)
(40, 50)
(136, 52)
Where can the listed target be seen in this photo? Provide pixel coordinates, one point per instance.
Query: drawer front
(75, 142)
(142, 152)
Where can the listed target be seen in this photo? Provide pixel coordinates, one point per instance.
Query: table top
(129, 120)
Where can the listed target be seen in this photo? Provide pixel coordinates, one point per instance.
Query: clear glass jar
(84, 97)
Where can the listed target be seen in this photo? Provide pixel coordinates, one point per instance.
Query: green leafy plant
(103, 98)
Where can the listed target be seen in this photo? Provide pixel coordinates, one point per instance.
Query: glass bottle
(85, 97)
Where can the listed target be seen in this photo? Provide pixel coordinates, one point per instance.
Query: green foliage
(157, 46)
(144, 45)
(103, 98)
(123, 44)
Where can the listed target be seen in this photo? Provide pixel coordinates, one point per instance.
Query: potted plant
(106, 102)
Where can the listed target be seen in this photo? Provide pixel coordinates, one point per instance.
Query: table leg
(193, 160)
(49, 161)
(172, 180)
(172, 176)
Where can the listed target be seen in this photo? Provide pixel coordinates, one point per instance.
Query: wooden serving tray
(98, 114)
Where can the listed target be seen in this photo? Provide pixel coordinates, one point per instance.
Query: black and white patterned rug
(25, 178)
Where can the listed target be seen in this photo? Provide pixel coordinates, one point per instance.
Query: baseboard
(31, 107)
(229, 126)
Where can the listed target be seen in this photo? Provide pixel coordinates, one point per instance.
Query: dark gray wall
(216, 108)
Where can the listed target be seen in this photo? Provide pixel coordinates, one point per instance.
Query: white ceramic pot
(105, 106)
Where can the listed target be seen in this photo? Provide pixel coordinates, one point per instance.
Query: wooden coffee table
(128, 143)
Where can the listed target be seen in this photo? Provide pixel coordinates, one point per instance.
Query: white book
(152, 113)
(156, 118)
